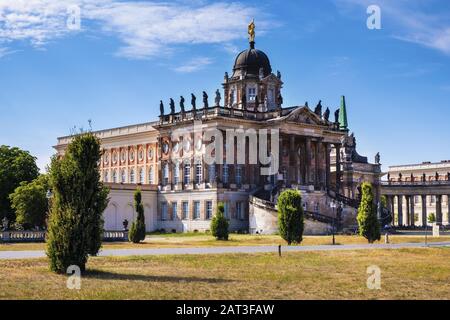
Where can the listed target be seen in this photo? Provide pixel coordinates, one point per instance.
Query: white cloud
(146, 29)
(5, 51)
(193, 65)
(409, 23)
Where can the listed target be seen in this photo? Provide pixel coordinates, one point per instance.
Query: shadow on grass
(106, 275)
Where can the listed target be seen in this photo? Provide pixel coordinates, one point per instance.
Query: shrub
(30, 203)
(432, 218)
(16, 166)
(79, 198)
(369, 226)
(137, 230)
(219, 224)
(290, 216)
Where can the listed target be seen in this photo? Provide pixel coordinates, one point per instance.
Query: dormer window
(251, 94)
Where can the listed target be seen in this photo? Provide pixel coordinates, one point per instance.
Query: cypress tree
(219, 224)
(75, 227)
(137, 230)
(369, 226)
(290, 216)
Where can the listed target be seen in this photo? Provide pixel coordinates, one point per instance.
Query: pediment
(271, 78)
(303, 115)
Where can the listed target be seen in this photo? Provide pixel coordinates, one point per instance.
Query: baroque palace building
(313, 153)
(416, 191)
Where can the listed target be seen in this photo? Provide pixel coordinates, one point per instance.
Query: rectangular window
(251, 94)
(196, 210)
(225, 173)
(187, 174)
(239, 211)
(433, 199)
(209, 210)
(164, 211)
(212, 173)
(176, 174)
(185, 210)
(198, 172)
(238, 175)
(226, 211)
(174, 210)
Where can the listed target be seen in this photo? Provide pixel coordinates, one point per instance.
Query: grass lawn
(203, 240)
(405, 274)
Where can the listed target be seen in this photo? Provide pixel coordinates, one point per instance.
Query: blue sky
(128, 55)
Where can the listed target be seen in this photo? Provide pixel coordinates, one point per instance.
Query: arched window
(151, 175)
(123, 176)
(132, 180)
(141, 175)
(165, 174)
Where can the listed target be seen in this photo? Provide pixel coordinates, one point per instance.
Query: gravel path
(220, 250)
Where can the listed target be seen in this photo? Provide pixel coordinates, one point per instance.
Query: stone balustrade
(39, 236)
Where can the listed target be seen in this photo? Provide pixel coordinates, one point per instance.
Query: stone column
(412, 218)
(408, 210)
(317, 164)
(292, 160)
(448, 210)
(327, 165)
(308, 161)
(424, 210)
(338, 168)
(400, 210)
(439, 209)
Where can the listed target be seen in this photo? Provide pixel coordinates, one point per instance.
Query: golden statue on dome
(251, 31)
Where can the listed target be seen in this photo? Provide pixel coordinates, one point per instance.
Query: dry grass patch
(406, 273)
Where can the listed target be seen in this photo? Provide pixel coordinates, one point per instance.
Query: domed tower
(252, 85)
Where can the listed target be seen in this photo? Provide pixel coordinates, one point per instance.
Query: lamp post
(333, 207)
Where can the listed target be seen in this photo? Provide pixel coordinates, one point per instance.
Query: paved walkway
(231, 249)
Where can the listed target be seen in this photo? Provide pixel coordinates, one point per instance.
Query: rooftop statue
(251, 31)
(161, 107)
(205, 100)
(193, 100)
(182, 104)
(307, 104)
(172, 106)
(278, 74)
(218, 98)
(336, 116)
(326, 114)
(280, 99)
(377, 158)
(318, 109)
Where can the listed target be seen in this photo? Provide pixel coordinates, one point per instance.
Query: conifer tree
(137, 230)
(219, 224)
(290, 216)
(369, 226)
(75, 227)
